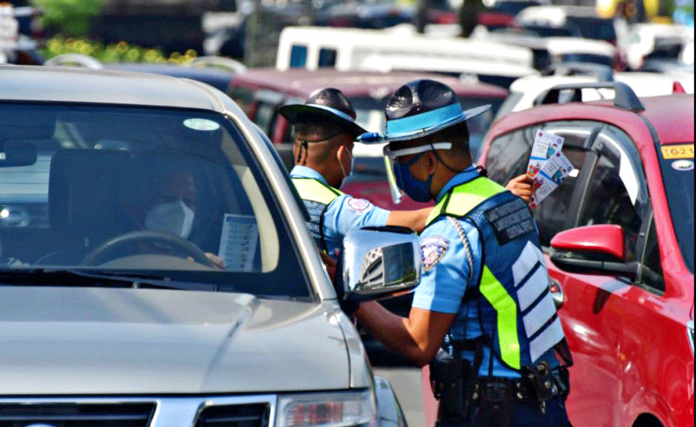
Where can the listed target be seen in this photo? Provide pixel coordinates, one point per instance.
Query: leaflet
(545, 145)
(551, 175)
(240, 236)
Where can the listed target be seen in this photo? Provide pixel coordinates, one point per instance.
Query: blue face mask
(419, 191)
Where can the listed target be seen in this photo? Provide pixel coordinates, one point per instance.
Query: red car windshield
(678, 176)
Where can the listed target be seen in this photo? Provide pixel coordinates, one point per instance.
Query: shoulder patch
(358, 205)
(433, 248)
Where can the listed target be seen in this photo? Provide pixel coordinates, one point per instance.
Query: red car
(619, 240)
(261, 91)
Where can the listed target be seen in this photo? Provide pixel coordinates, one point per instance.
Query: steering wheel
(107, 249)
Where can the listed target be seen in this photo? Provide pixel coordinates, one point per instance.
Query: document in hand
(545, 145)
(552, 173)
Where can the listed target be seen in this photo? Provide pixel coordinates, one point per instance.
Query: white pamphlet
(552, 173)
(240, 236)
(545, 145)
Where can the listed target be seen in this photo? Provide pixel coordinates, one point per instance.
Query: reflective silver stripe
(546, 340)
(539, 315)
(528, 258)
(532, 288)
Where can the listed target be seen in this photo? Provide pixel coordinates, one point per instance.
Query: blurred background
(175, 31)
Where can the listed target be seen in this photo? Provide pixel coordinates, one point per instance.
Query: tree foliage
(69, 17)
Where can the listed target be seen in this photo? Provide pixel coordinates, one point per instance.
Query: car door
(595, 312)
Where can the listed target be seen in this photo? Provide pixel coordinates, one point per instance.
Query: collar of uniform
(305, 172)
(462, 177)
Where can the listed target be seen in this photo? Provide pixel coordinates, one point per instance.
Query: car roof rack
(603, 72)
(624, 96)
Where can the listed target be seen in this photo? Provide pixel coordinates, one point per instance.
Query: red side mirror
(606, 239)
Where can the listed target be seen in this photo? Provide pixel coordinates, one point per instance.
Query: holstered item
(495, 406)
(448, 377)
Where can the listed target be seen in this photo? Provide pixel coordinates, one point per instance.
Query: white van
(349, 49)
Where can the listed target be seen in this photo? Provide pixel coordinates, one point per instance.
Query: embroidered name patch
(433, 248)
(510, 220)
(358, 205)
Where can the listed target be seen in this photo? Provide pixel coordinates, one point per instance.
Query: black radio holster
(453, 380)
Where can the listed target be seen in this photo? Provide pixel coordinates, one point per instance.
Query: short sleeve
(346, 213)
(445, 268)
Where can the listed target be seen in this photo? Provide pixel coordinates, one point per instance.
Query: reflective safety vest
(316, 197)
(516, 310)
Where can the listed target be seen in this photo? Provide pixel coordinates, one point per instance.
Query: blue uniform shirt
(343, 213)
(445, 275)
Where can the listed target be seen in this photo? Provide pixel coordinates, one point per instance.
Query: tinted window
(327, 57)
(588, 57)
(265, 116)
(144, 191)
(678, 176)
(608, 202)
(595, 28)
(652, 272)
(298, 56)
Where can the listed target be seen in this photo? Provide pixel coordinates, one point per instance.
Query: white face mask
(175, 218)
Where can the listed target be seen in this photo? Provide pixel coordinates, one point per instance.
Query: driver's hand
(216, 260)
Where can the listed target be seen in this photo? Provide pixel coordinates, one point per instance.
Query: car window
(148, 191)
(609, 203)
(652, 267)
(678, 177)
(265, 116)
(244, 97)
(508, 157)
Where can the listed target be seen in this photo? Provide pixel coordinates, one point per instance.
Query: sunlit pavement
(406, 382)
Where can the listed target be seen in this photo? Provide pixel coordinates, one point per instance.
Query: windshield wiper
(86, 278)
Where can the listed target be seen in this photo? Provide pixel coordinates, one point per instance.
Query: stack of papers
(548, 166)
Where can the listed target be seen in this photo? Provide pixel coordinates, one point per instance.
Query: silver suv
(171, 279)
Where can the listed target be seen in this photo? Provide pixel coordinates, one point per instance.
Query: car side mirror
(379, 262)
(593, 249)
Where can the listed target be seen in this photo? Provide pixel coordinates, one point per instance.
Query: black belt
(496, 389)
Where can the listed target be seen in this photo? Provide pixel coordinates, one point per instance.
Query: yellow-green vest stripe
(506, 310)
(466, 197)
(315, 191)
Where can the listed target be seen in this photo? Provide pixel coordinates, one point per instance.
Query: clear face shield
(394, 168)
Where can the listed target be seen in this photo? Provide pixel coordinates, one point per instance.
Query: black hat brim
(295, 111)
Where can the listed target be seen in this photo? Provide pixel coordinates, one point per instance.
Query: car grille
(234, 416)
(163, 411)
(77, 415)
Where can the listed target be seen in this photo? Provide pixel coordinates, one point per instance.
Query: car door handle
(556, 292)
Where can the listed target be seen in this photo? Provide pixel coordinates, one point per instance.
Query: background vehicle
(261, 91)
(109, 320)
(501, 14)
(625, 276)
(525, 92)
(351, 49)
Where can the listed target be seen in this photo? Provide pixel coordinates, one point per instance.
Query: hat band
(425, 120)
(335, 111)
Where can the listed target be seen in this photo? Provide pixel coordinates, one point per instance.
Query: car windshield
(595, 28)
(588, 58)
(678, 176)
(168, 194)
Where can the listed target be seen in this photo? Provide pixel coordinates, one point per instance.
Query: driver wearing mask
(169, 205)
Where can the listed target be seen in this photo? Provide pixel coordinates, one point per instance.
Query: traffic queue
(215, 244)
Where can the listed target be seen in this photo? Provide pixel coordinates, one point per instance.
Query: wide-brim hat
(424, 107)
(325, 105)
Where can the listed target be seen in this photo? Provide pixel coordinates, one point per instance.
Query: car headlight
(345, 409)
(690, 331)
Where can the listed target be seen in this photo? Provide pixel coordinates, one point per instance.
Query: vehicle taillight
(677, 87)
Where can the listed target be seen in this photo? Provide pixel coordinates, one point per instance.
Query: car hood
(72, 341)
